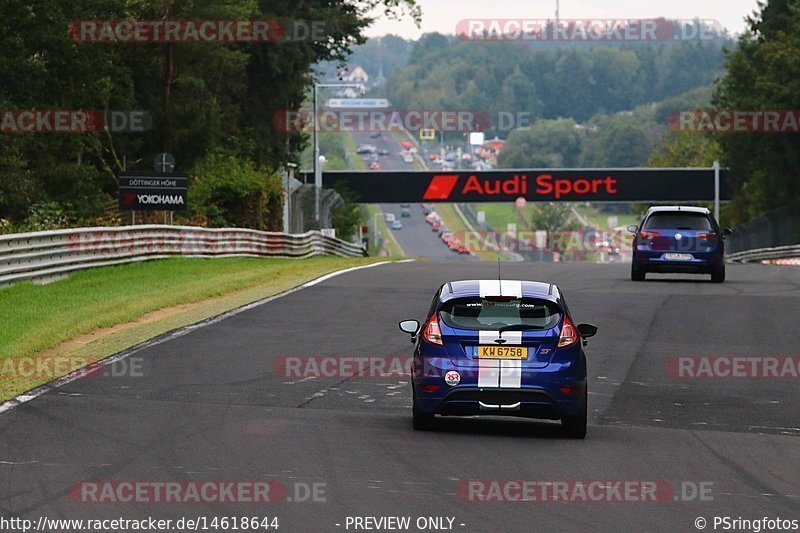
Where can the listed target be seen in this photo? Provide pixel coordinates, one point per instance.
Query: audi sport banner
(152, 191)
(535, 185)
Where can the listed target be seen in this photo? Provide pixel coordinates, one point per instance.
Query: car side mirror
(632, 228)
(411, 327)
(587, 330)
(726, 232)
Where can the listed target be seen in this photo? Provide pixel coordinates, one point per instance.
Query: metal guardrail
(777, 228)
(765, 254)
(43, 254)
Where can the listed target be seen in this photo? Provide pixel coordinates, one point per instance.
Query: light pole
(317, 165)
(716, 168)
(287, 195)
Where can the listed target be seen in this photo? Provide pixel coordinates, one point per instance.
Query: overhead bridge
(654, 185)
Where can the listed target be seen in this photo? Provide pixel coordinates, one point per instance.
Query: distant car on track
(678, 239)
(383, 151)
(374, 166)
(405, 212)
(397, 225)
(500, 347)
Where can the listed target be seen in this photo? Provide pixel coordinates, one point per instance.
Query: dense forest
(610, 105)
(211, 104)
(551, 82)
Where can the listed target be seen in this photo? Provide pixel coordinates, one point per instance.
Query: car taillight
(648, 235)
(569, 335)
(707, 236)
(433, 333)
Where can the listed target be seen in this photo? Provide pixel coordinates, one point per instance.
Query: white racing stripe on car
(506, 374)
(494, 287)
(510, 374)
(487, 338)
(488, 372)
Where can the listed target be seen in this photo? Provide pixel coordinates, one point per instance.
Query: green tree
(548, 143)
(231, 192)
(685, 149)
(763, 74)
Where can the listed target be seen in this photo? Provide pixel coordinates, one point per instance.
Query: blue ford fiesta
(500, 347)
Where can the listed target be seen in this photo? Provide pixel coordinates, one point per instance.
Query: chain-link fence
(301, 209)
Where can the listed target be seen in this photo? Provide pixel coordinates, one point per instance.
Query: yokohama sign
(535, 185)
(151, 191)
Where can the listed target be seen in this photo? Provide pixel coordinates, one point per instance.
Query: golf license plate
(678, 257)
(502, 352)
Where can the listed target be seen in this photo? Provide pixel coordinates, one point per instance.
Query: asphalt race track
(209, 405)
(416, 238)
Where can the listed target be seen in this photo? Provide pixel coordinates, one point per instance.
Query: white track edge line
(27, 396)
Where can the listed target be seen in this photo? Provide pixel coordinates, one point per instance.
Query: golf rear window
(494, 313)
(678, 220)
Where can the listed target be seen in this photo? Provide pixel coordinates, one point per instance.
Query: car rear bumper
(655, 261)
(551, 392)
(526, 402)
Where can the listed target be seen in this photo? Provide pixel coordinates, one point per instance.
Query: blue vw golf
(500, 347)
(678, 239)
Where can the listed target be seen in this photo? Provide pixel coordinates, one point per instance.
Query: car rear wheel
(574, 427)
(637, 274)
(422, 421)
(718, 276)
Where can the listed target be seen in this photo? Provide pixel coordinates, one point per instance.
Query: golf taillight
(569, 335)
(433, 333)
(649, 235)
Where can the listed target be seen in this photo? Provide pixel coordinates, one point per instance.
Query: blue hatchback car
(500, 347)
(678, 239)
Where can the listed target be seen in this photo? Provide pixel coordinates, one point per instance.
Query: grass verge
(96, 313)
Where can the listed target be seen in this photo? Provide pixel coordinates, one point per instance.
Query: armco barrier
(25, 256)
(766, 254)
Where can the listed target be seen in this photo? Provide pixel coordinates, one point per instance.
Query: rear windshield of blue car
(678, 220)
(494, 313)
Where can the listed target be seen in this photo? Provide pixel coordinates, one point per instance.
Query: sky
(443, 15)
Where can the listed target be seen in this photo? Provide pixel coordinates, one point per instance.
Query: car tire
(421, 421)
(718, 276)
(574, 427)
(637, 274)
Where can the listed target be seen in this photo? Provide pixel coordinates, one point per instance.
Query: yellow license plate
(502, 352)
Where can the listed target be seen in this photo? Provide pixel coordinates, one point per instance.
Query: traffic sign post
(164, 163)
